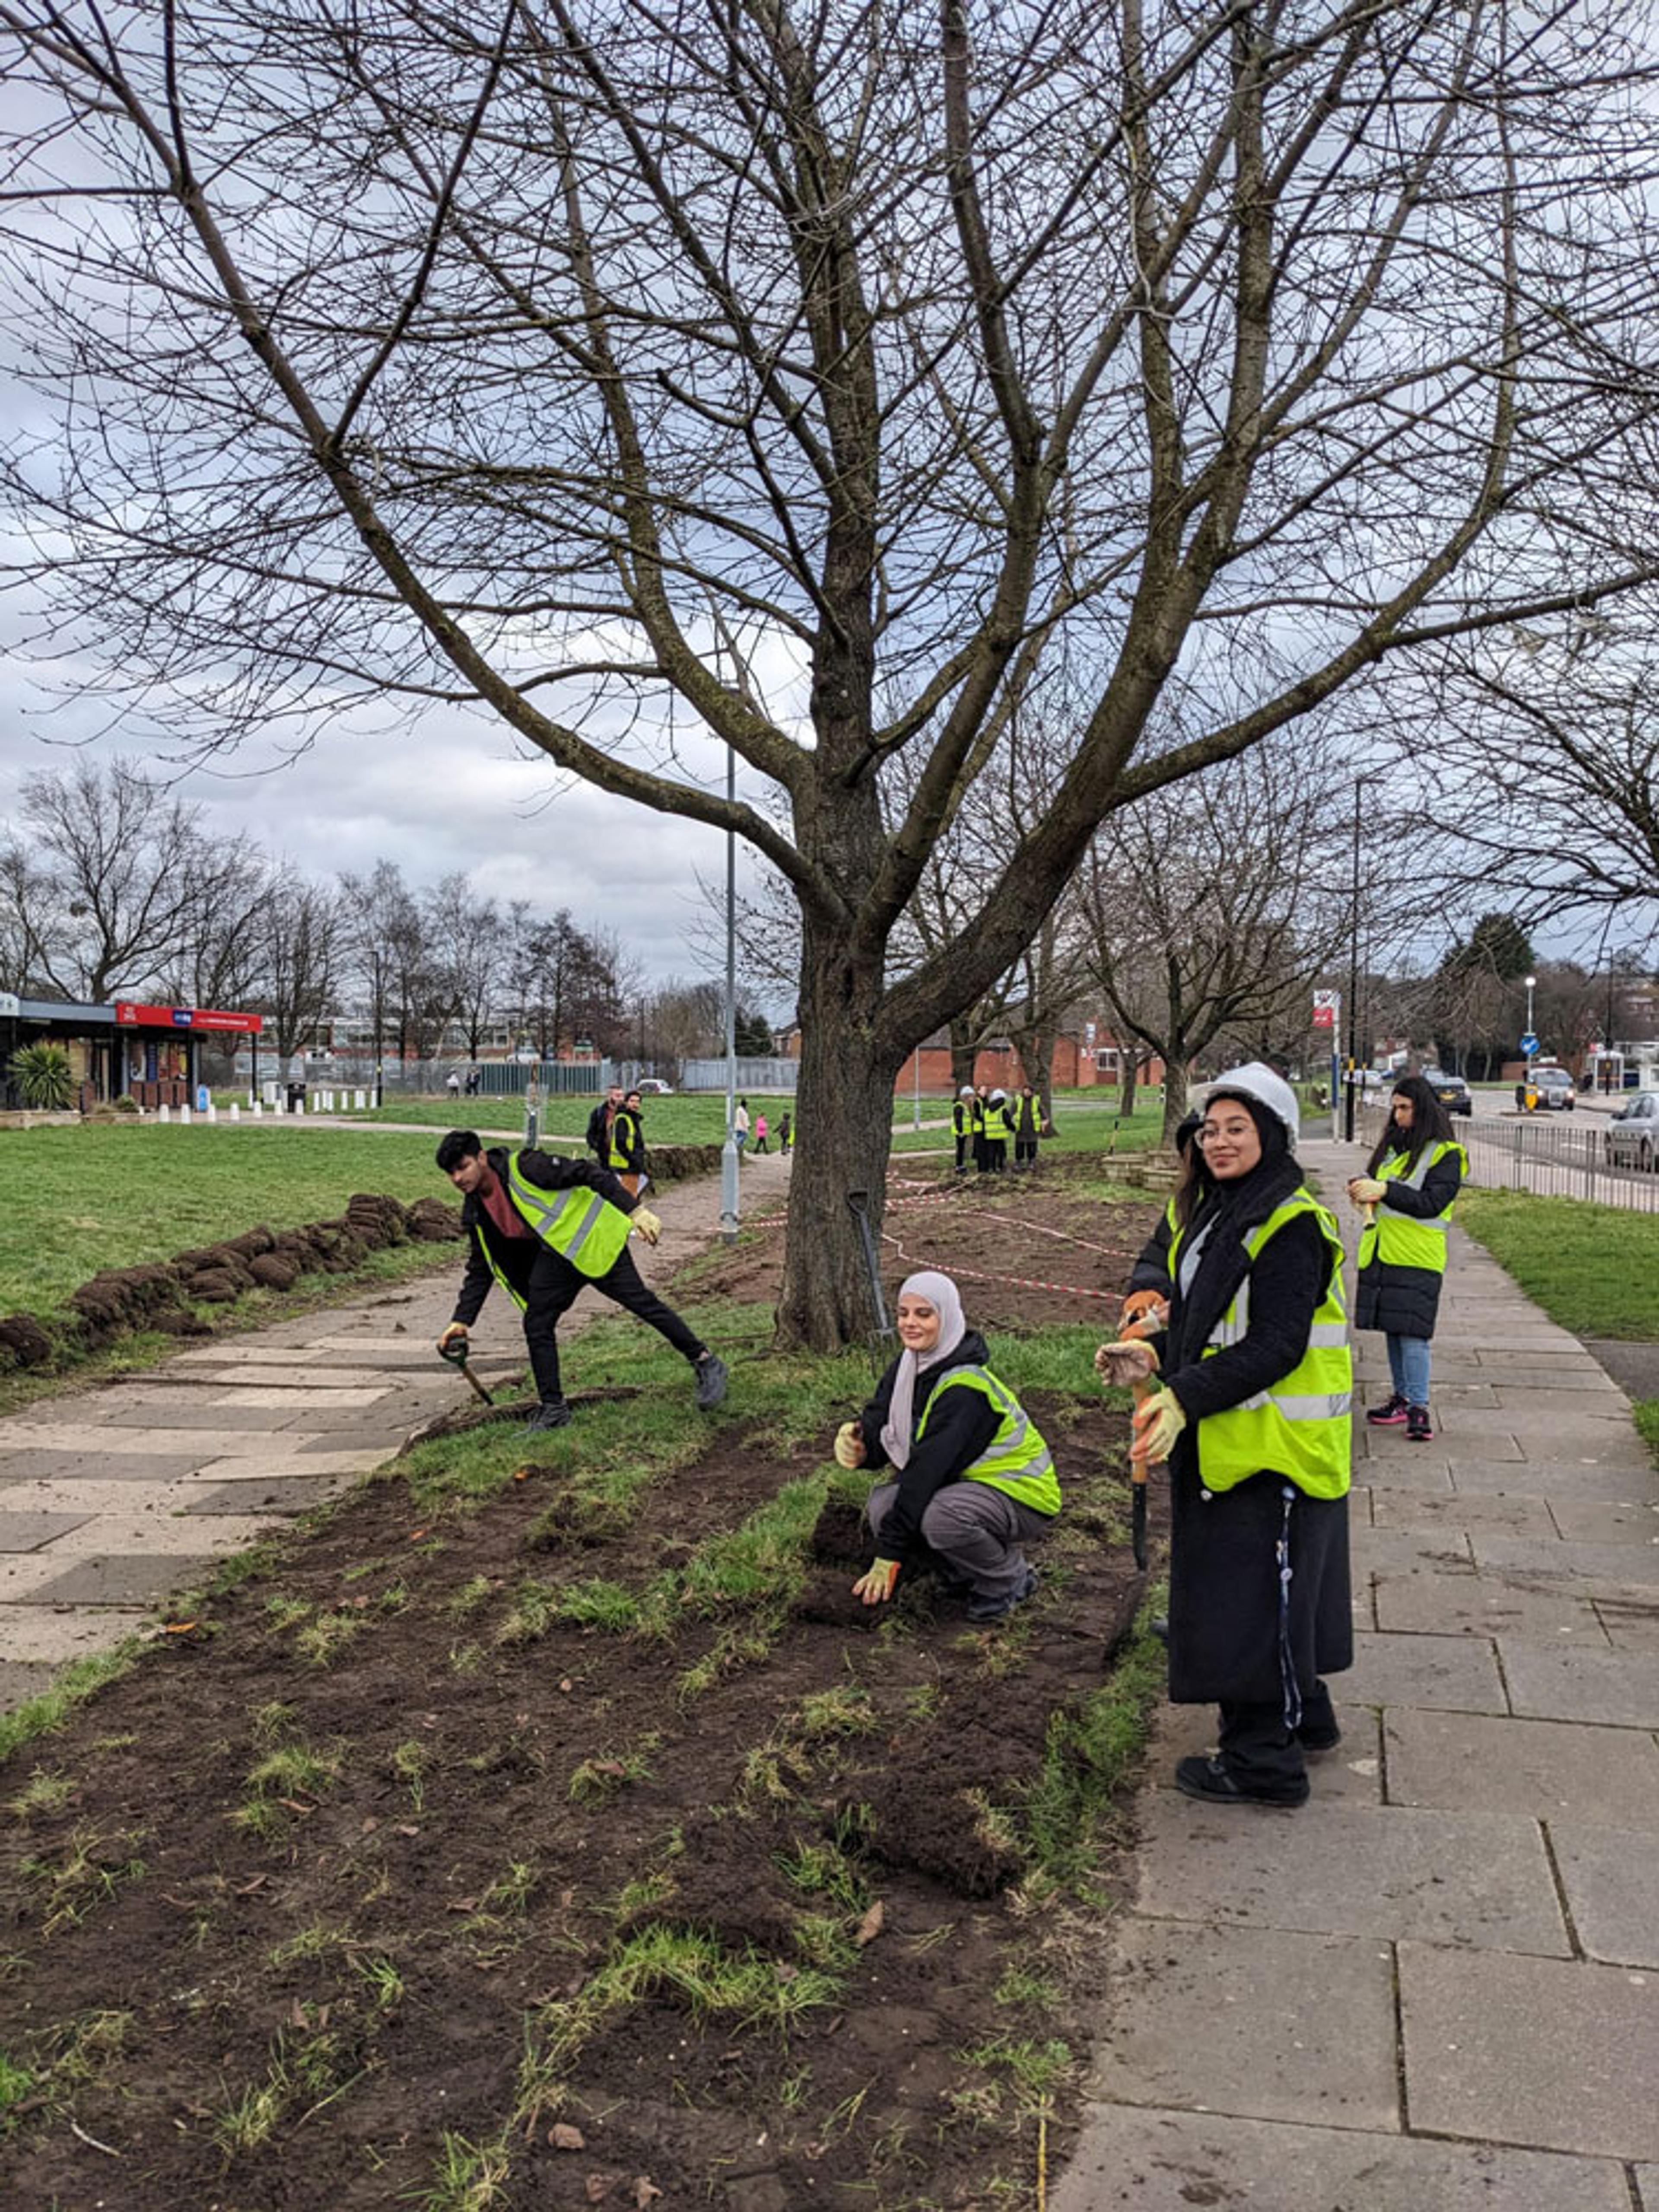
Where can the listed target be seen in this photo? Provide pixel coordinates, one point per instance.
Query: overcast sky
(445, 791)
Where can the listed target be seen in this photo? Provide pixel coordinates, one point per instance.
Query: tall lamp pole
(1352, 1086)
(729, 1213)
(1529, 1041)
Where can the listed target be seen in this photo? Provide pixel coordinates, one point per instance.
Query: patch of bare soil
(492, 1893)
(1025, 1253)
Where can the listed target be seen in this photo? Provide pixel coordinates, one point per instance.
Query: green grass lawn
(78, 1199)
(1594, 1269)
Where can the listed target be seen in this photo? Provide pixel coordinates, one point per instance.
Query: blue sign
(183, 1017)
(1529, 1044)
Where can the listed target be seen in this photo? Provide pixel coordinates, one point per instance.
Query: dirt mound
(120, 1301)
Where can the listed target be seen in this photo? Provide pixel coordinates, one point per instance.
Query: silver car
(1632, 1137)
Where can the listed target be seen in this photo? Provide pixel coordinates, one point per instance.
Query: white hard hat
(966, 1091)
(999, 1094)
(1255, 1080)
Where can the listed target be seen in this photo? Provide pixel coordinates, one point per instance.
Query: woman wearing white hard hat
(1253, 1416)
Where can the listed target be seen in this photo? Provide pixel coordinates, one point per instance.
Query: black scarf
(1232, 1211)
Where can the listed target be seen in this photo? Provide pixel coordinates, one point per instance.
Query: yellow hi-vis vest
(1301, 1428)
(996, 1124)
(624, 1134)
(581, 1227)
(1407, 1240)
(1017, 1460)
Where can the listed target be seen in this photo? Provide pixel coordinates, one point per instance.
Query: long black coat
(1406, 1301)
(1224, 1574)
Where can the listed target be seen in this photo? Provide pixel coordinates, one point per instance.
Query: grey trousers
(976, 1530)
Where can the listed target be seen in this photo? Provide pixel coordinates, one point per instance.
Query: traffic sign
(1529, 1044)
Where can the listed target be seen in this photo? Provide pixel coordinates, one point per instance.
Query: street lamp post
(729, 1210)
(1359, 783)
(1528, 1042)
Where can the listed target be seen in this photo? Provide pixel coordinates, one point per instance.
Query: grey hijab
(942, 1294)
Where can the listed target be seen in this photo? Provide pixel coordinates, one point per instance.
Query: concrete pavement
(113, 1497)
(1437, 1985)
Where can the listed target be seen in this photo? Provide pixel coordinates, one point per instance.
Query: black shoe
(1209, 1779)
(998, 1609)
(711, 1381)
(1161, 1627)
(1389, 1414)
(552, 1413)
(1420, 1429)
(1318, 1740)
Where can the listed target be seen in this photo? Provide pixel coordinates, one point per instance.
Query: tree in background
(1478, 1007)
(1208, 912)
(114, 882)
(303, 937)
(814, 382)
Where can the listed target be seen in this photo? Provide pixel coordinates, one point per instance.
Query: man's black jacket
(517, 1256)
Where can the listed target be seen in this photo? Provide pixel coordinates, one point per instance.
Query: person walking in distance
(740, 1123)
(760, 1135)
(1410, 1187)
(1252, 1415)
(786, 1130)
(543, 1227)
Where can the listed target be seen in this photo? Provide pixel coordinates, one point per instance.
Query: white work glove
(1366, 1190)
(849, 1445)
(1125, 1364)
(644, 1223)
(1157, 1421)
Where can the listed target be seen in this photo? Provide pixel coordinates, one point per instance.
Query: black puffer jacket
(1406, 1301)
(965, 1425)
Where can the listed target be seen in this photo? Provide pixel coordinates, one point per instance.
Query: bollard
(184, 1117)
(357, 1102)
(213, 1111)
(235, 1111)
(164, 1113)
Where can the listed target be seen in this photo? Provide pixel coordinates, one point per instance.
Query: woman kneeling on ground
(1411, 1185)
(1253, 1417)
(974, 1482)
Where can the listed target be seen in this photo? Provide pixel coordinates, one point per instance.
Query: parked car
(653, 1085)
(1631, 1139)
(1450, 1089)
(1555, 1087)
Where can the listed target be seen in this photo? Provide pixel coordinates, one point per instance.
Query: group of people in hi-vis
(985, 1122)
(1234, 1338)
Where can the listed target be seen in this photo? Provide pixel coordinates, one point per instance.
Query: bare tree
(304, 928)
(732, 371)
(1209, 910)
(1543, 746)
(469, 937)
(118, 887)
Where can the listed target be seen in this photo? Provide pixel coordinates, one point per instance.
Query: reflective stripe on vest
(1017, 1460)
(579, 1226)
(1406, 1240)
(1302, 1427)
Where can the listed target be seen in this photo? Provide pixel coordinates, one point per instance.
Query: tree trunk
(1177, 1076)
(844, 1132)
(1036, 1059)
(964, 1051)
(1129, 1079)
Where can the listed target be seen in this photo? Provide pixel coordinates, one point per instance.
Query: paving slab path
(1436, 1987)
(115, 1496)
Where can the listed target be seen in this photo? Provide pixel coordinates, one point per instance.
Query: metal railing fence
(1585, 1155)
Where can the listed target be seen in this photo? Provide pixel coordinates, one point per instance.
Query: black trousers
(553, 1289)
(962, 1153)
(1025, 1149)
(1259, 1750)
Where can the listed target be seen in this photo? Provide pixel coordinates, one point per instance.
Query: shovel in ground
(858, 1204)
(1140, 1386)
(455, 1352)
